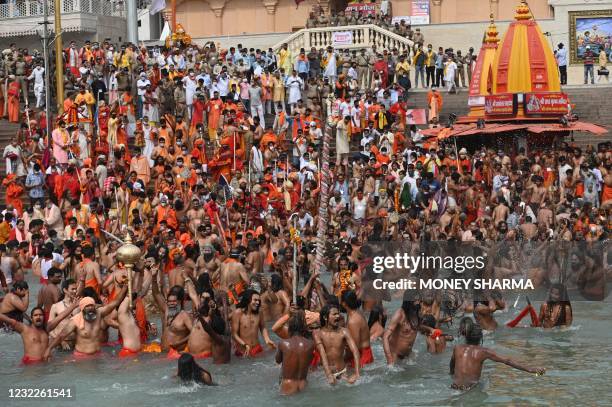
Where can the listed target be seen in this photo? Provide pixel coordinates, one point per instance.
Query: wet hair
(377, 315)
(178, 292)
(54, 270)
(300, 302)
(563, 297)
(465, 324)
(20, 285)
(36, 308)
(411, 311)
(245, 300)
(276, 283)
(90, 292)
(349, 298)
(189, 370)
(473, 335)
(429, 321)
(297, 324)
(217, 323)
(204, 285)
(324, 313)
(87, 251)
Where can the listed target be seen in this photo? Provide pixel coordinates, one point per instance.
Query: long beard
(208, 257)
(90, 316)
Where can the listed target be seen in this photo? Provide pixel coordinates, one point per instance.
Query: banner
(362, 8)
(500, 105)
(420, 12)
(554, 103)
(342, 38)
(398, 19)
(416, 116)
(157, 6)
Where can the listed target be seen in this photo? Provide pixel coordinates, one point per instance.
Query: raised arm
(108, 308)
(159, 298)
(51, 325)
(16, 325)
(513, 363)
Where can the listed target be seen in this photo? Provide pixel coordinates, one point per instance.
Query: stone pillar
(270, 6)
(217, 7)
(495, 8)
(436, 11)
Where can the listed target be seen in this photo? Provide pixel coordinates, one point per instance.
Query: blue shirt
(36, 180)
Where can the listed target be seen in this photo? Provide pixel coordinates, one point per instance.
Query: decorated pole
(325, 178)
(295, 238)
(129, 255)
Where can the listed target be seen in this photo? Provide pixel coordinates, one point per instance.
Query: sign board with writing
(342, 38)
(500, 105)
(420, 12)
(363, 9)
(398, 19)
(552, 103)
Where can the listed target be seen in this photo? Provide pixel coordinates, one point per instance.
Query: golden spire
(491, 35)
(523, 12)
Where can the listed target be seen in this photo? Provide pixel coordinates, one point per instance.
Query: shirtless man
(9, 265)
(87, 325)
(295, 354)
(247, 323)
(195, 215)
(435, 339)
(35, 337)
(557, 310)
(254, 260)
(16, 302)
(69, 294)
(50, 293)
(200, 342)
(275, 300)
(332, 342)
(233, 278)
(483, 313)
(208, 263)
(90, 269)
(218, 331)
(357, 327)
(176, 322)
(401, 333)
(128, 328)
(467, 360)
(176, 276)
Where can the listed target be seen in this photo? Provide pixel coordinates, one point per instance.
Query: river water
(578, 362)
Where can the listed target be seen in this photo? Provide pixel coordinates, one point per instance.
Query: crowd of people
(214, 163)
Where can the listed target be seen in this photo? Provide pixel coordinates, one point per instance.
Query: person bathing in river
(468, 359)
(557, 310)
(295, 354)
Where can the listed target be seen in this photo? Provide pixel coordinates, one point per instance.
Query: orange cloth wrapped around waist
(93, 283)
(175, 354)
(365, 357)
(253, 352)
(153, 347)
(26, 360)
(81, 355)
(203, 355)
(126, 353)
(233, 294)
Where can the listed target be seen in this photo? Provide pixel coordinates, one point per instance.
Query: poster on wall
(500, 105)
(554, 103)
(591, 29)
(420, 12)
(342, 38)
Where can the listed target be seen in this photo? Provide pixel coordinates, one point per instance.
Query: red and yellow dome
(524, 61)
(482, 75)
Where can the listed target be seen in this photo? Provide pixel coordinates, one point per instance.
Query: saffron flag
(157, 6)
(415, 116)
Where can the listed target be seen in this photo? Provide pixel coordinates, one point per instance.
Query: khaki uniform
(363, 70)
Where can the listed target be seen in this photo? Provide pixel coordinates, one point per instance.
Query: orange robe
(13, 93)
(13, 196)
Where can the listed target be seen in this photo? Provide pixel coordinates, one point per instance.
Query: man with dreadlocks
(295, 354)
(467, 360)
(401, 333)
(247, 323)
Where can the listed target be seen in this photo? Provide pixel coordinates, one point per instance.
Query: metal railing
(361, 36)
(34, 8)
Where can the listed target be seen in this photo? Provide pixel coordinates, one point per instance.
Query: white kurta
(149, 146)
(342, 139)
(331, 69)
(294, 84)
